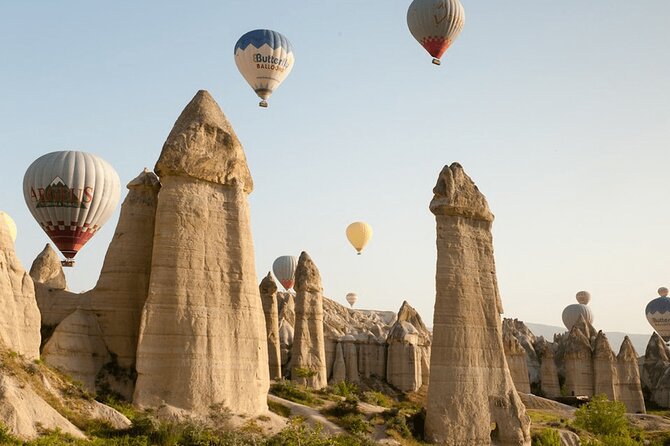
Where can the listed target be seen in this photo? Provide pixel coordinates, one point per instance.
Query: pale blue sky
(560, 112)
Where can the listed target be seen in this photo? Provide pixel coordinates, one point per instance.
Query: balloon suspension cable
(263, 104)
(68, 263)
(436, 61)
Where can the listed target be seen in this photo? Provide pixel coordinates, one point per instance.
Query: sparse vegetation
(602, 417)
(546, 437)
(279, 409)
(378, 399)
(287, 390)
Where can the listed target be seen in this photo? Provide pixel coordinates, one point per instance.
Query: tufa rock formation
(549, 384)
(268, 290)
(403, 366)
(202, 339)
(578, 365)
(308, 351)
(656, 371)
(605, 378)
(20, 317)
(628, 372)
(471, 388)
(516, 361)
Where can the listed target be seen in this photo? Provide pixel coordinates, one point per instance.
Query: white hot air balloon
(435, 24)
(11, 226)
(352, 298)
(71, 195)
(658, 314)
(264, 58)
(284, 269)
(571, 313)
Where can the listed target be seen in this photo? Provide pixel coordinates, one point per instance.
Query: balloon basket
(436, 61)
(358, 253)
(263, 104)
(68, 263)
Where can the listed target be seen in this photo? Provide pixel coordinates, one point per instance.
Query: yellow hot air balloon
(359, 234)
(6, 219)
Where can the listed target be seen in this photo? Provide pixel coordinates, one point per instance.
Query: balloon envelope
(284, 269)
(264, 58)
(583, 297)
(71, 195)
(352, 298)
(435, 24)
(7, 220)
(658, 315)
(572, 312)
(359, 234)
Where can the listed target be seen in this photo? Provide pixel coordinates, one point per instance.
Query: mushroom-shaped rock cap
(663, 291)
(268, 285)
(456, 194)
(146, 179)
(203, 145)
(307, 277)
(583, 297)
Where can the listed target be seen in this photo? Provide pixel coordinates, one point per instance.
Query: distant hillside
(616, 338)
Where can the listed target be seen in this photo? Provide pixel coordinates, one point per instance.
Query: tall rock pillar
(605, 377)
(470, 387)
(630, 389)
(202, 339)
(308, 352)
(548, 372)
(268, 289)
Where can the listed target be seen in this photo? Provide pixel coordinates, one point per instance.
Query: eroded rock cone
(20, 317)
(268, 290)
(630, 389)
(47, 269)
(470, 384)
(578, 364)
(308, 355)
(202, 340)
(516, 361)
(656, 371)
(548, 371)
(605, 376)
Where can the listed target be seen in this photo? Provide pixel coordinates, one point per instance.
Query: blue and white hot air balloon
(265, 58)
(658, 314)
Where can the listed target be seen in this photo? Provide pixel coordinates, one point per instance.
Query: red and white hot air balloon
(435, 24)
(71, 195)
(284, 269)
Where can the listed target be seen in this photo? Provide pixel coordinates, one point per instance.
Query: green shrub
(279, 409)
(602, 417)
(546, 437)
(345, 389)
(378, 399)
(287, 390)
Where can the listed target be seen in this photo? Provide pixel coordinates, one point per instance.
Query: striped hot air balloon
(435, 24)
(352, 298)
(284, 269)
(264, 58)
(71, 195)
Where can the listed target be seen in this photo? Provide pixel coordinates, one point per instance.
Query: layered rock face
(202, 339)
(470, 384)
(403, 369)
(308, 352)
(516, 361)
(628, 372)
(549, 383)
(578, 365)
(656, 371)
(268, 290)
(20, 317)
(605, 376)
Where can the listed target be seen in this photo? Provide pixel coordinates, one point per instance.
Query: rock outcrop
(628, 373)
(403, 366)
(549, 384)
(605, 377)
(20, 317)
(516, 361)
(656, 371)
(202, 340)
(308, 352)
(578, 364)
(268, 290)
(46, 269)
(471, 388)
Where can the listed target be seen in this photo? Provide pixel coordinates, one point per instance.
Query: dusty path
(311, 415)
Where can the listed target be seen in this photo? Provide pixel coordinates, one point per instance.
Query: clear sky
(560, 112)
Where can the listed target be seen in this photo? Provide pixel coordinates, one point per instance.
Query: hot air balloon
(71, 195)
(658, 314)
(572, 312)
(264, 58)
(4, 217)
(359, 234)
(352, 298)
(284, 269)
(435, 24)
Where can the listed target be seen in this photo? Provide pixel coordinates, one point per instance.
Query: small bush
(345, 389)
(378, 399)
(603, 417)
(288, 391)
(279, 409)
(546, 437)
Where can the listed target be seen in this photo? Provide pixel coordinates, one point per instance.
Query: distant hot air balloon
(4, 217)
(352, 298)
(435, 24)
(359, 234)
(572, 312)
(264, 57)
(71, 195)
(658, 314)
(284, 269)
